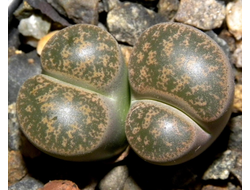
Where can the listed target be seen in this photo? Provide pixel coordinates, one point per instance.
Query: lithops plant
(182, 92)
(76, 109)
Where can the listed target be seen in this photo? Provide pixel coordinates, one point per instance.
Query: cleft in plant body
(76, 109)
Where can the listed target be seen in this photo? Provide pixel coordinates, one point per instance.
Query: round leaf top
(181, 66)
(58, 111)
(84, 55)
(162, 134)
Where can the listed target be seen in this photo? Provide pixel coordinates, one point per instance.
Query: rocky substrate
(218, 168)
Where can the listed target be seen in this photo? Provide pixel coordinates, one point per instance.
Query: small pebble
(230, 161)
(168, 8)
(235, 144)
(23, 11)
(234, 18)
(16, 167)
(206, 14)
(60, 185)
(110, 4)
(237, 105)
(128, 20)
(221, 167)
(235, 138)
(46, 9)
(237, 55)
(115, 179)
(228, 37)
(130, 184)
(35, 26)
(79, 11)
(27, 183)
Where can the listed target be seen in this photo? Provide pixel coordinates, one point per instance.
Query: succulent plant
(76, 109)
(182, 92)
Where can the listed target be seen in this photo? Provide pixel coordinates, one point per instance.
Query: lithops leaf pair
(76, 109)
(182, 92)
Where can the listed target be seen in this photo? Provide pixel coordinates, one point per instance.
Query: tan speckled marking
(163, 78)
(152, 58)
(66, 52)
(168, 46)
(148, 118)
(181, 83)
(102, 47)
(140, 57)
(29, 108)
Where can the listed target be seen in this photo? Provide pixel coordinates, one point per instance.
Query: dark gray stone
(27, 183)
(48, 10)
(221, 167)
(115, 179)
(235, 144)
(13, 38)
(230, 161)
(20, 68)
(235, 138)
(127, 21)
(58, 5)
(23, 11)
(79, 11)
(29, 7)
